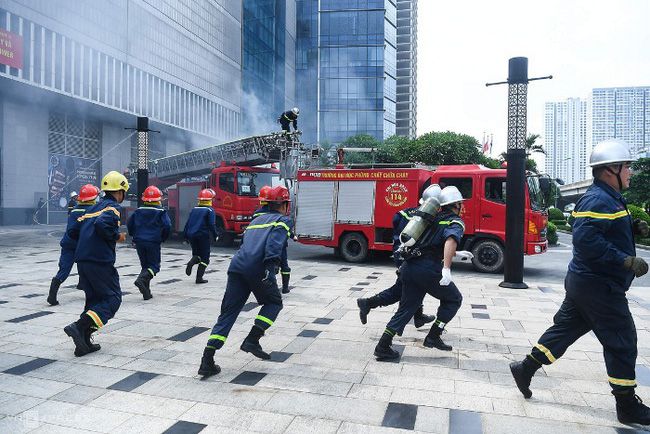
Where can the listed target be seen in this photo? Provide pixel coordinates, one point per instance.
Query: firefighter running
(285, 270)
(200, 230)
(602, 269)
(253, 269)
(426, 270)
(149, 226)
(87, 198)
(393, 294)
(95, 258)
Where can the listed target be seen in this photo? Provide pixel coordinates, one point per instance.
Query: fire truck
(244, 166)
(351, 209)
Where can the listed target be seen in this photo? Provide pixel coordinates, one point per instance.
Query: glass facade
(565, 139)
(407, 58)
(347, 52)
(268, 71)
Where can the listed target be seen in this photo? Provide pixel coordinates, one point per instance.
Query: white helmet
(73, 194)
(611, 151)
(450, 195)
(295, 111)
(433, 190)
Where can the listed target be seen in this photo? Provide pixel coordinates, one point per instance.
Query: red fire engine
(351, 209)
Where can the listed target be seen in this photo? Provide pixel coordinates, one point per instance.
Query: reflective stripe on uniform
(268, 225)
(203, 263)
(405, 215)
(546, 351)
(96, 319)
(285, 272)
(78, 210)
(218, 338)
(151, 271)
(451, 222)
(389, 332)
(95, 214)
(622, 382)
(264, 319)
(259, 214)
(600, 215)
(151, 207)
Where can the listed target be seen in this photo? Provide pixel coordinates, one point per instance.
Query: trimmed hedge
(551, 234)
(555, 214)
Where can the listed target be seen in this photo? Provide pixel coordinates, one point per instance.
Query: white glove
(446, 277)
(464, 255)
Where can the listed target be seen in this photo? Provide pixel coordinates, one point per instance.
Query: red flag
(486, 146)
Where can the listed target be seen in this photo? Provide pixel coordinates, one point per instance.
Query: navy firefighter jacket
(71, 236)
(432, 242)
(602, 236)
(100, 230)
(201, 223)
(264, 241)
(400, 220)
(150, 224)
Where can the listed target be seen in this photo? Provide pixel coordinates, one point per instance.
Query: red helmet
(152, 194)
(279, 194)
(207, 194)
(264, 193)
(88, 192)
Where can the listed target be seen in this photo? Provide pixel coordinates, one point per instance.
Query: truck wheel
(354, 247)
(488, 256)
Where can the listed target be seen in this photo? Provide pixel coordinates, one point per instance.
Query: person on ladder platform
(427, 270)
(149, 226)
(289, 117)
(393, 294)
(200, 230)
(601, 271)
(87, 198)
(95, 258)
(253, 269)
(285, 270)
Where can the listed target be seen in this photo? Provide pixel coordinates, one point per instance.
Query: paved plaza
(322, 376)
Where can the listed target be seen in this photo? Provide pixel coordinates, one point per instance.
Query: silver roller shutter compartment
(315, 209)
(356, 202)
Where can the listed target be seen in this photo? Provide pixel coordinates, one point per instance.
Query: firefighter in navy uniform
(393, 294)
(200, 230)
(149, 226)
(289, 117)
(427, 270)
(72, 203)
(87, 198)
(602, 269)
(285, 270)
(253, 269)
(95, 258)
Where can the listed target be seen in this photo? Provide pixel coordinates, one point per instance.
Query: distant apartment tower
(565, 136)
(407, 60)
(346, 68)
(622, 113)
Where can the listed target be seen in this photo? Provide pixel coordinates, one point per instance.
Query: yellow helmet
(114, 181)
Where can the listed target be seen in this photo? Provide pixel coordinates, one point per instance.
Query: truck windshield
(535, 193)
(249, 183)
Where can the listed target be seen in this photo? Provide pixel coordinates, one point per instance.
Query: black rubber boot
(142, 282)
(365, 306)
(630, 408)
(89, 340)
(383, 351)
(420, 319)
(77, 331)
(252, 344)
(433, 339)
(199, 273)
(208, 368)
(285, 283)
(188, 268)
(79, 286)
(523, 373)
(54, 289)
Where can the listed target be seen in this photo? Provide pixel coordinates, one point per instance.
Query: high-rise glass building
(74, 74)
(268, 63)
(346, 68)
(407, 61)
(565, 139)
(623, 113)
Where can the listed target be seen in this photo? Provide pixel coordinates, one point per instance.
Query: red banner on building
(11, 49)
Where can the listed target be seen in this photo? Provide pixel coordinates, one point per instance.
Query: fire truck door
(315, 209)
(493, 206)
(467, 189)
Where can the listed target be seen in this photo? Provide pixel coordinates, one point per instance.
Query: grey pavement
(323, 377)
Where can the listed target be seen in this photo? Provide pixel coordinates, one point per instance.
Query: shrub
(638, 213)
(551, 234)
(555, 214)
(559, 222)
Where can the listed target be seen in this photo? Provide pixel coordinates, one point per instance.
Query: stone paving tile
(144, 425)
(79, 394)
(238, 419)
(12, 404)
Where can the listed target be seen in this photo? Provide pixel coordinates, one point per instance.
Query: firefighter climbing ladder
(282, 148)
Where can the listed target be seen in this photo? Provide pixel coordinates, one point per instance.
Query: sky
(464, 44)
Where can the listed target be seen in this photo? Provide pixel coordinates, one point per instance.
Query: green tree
(360, 141)
(532, 147)
(433, 148)
(638, 193)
